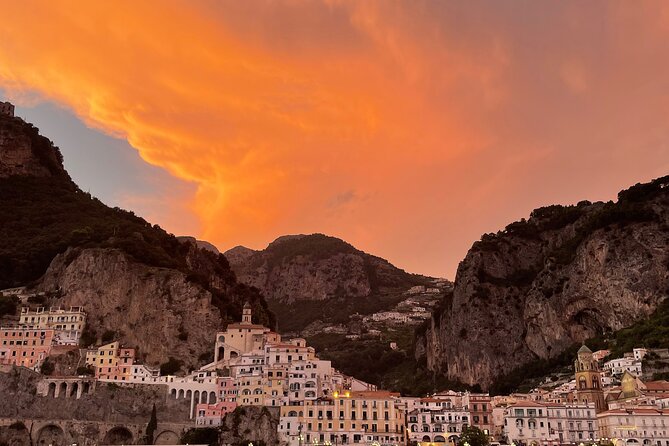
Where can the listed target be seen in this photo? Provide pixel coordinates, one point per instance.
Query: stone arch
(233, 355)
(118, 435)
(167, 437)
(52, 390)
(196, 397)
(173, 392)
(181, 394)
(18, 434)
(212, 397)
(221, 353)
(86, 388)
(51, 434)
(426, 438)
(189, 394)
(439, 439)
(203, 397)
(74, 388)
(62, 392)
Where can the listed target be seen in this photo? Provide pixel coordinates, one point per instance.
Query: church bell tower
(246, 314)
(589, 380)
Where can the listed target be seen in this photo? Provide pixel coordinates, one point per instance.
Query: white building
(526, 422)
(616, 367)
(572, 423)
(638, 426)
(436, 420)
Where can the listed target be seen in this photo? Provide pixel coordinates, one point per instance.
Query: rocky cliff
(156, 310)
(251, 424)
(316, 267)
(564, 275)
(151, 290)
(24, 152)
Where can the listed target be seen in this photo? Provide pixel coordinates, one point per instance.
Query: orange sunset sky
(406, 128)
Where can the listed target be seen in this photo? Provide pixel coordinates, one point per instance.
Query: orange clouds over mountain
(407, 128)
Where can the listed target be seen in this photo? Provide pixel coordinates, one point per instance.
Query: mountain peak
(24, 152)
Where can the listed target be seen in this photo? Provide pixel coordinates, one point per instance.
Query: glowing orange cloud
(407, 128)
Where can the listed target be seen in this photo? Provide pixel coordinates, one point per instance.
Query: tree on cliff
(151, 427)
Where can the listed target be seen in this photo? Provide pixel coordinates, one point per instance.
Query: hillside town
(606, 402)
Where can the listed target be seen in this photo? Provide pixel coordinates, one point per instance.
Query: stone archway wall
(118, 435)
(167, 437)
(51, 434)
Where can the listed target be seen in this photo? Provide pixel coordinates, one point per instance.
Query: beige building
(67, 324)
(241, 338)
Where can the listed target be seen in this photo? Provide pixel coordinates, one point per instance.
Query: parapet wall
(27, 395)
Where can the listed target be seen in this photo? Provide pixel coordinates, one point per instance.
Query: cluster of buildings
(606, 403)
(28, 342)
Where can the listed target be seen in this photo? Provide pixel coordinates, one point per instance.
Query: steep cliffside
(564, 275)
(156, 292)
(311, 278)
(316, 267)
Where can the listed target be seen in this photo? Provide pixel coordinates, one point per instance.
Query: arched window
(520, 423)
(292, 413)
(582, 384)
(532, 424)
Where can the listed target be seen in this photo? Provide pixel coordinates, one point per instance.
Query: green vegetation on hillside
(631, 207)
(651, 333)
(298, 315)
(41, 217)
(375, 362)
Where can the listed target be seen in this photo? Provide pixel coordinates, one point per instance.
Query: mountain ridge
(566, 274)
(61, 240)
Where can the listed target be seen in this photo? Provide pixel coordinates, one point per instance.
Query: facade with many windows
(637, 426)
(25, 347)
(345, 418)
(67, 324)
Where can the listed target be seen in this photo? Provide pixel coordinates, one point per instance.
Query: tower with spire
(589, 379)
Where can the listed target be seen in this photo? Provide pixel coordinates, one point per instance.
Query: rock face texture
(315, 267)
(153, 309)
(251, 424)
(541, 285)
(24, 152)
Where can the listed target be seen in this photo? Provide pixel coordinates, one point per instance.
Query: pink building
(213, 414)
(25, 346)
(227, 389)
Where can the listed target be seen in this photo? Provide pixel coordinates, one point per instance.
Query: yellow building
(346, 418)
(589, 380)
(250, 390)
(275, 378)
(113, 362)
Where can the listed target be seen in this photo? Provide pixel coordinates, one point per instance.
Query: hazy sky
(406, 128)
